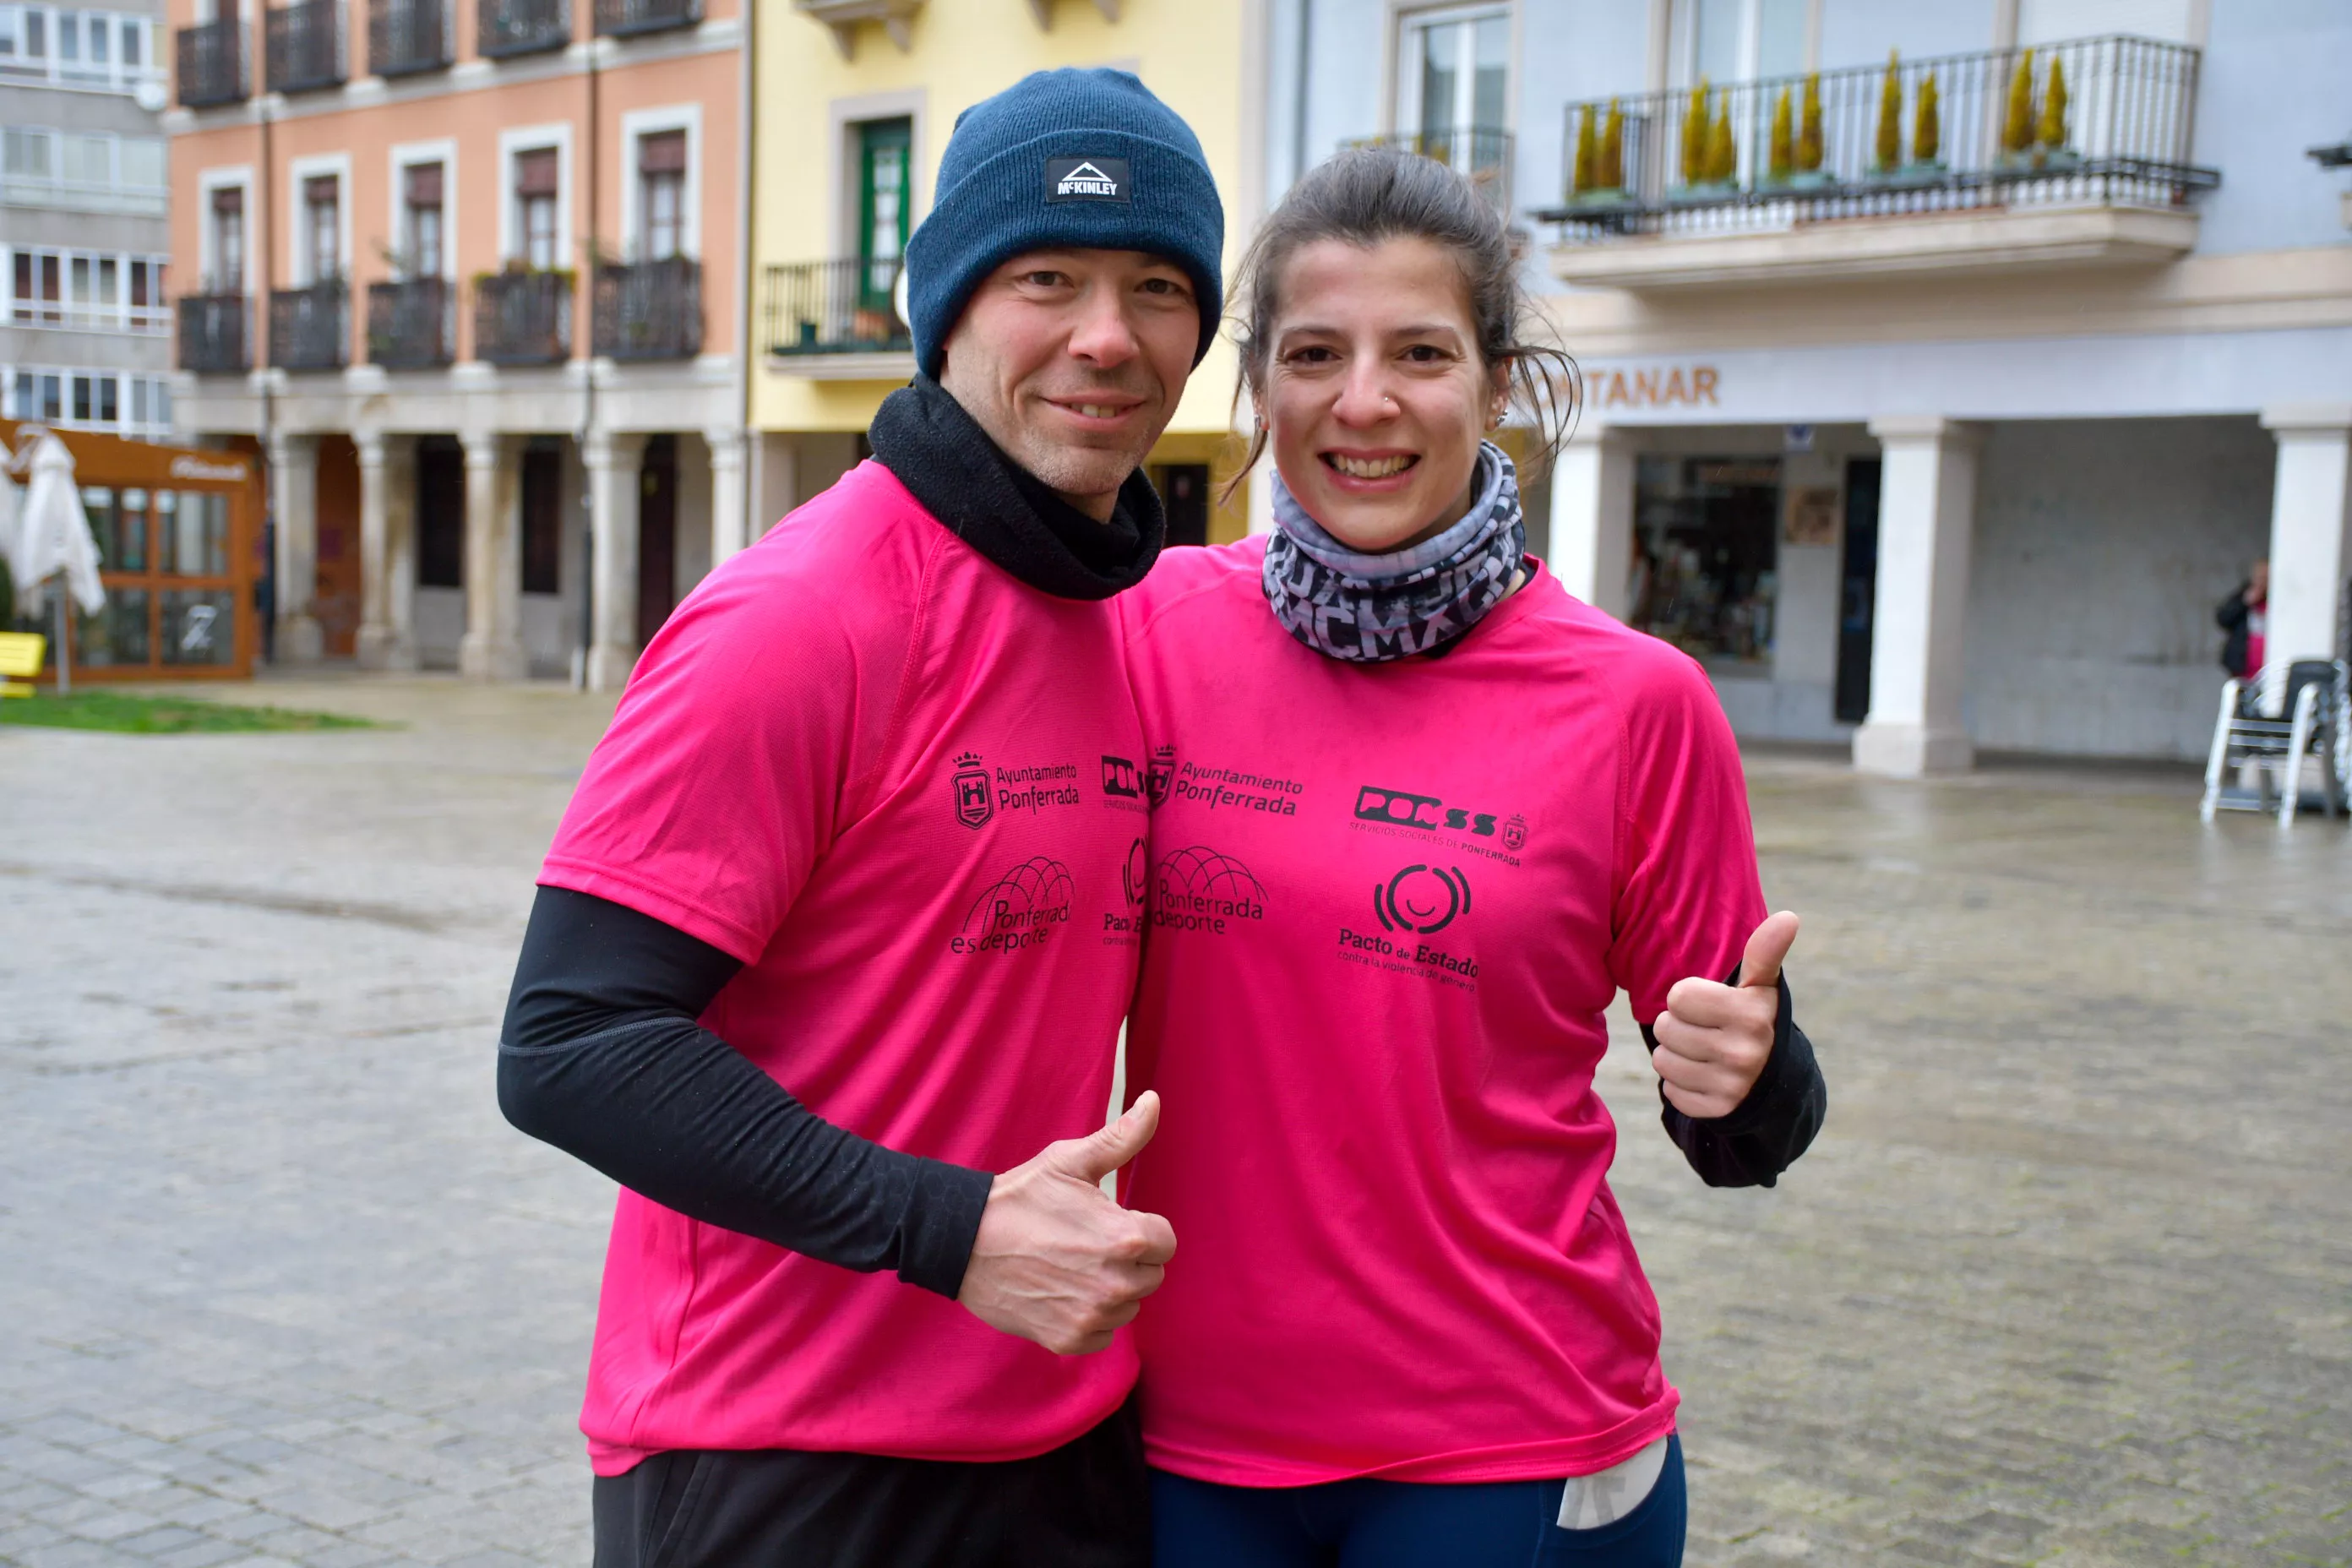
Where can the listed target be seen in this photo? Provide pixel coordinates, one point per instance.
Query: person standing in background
(2245, 616)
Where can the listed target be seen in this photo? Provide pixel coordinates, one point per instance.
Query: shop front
(178, 533)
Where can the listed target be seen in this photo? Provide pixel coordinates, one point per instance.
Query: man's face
(1073, 360)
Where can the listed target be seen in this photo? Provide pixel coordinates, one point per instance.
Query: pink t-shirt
(900, 786)
(1389, 904)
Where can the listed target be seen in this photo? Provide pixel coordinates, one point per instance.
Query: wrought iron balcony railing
(651, 309)
(212, 335)
(211, 64)
(2104, 120)
(407, 36)
(305, 45)
(624, 18)
(308, 328)
(1481, 152)
(408, 325)
(523, 318)
(521, 27)
(834, 307)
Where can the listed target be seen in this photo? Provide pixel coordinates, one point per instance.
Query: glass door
(884, 148)
(1450, 98)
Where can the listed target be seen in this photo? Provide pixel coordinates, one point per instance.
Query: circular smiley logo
(1422, 898)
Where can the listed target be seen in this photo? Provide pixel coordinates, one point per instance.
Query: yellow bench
(20, 653)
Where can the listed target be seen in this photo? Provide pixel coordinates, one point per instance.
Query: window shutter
(535, 173)
(425, 184)
(662, 154)
(319, 190)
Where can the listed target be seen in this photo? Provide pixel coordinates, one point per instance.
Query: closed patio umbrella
(52, 537)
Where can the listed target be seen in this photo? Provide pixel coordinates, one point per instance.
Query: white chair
(2293, 711)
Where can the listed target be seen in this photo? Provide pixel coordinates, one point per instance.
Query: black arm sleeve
(603, 1058)
(1763, 1135)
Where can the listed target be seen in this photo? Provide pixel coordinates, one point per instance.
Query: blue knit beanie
(1079, 158)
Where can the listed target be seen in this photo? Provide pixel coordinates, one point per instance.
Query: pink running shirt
(900, 786)
(1389, 905)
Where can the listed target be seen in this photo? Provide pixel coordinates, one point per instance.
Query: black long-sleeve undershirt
(602, 1057)
(1763, 1135)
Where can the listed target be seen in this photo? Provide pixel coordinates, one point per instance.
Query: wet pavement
(2068, 1278)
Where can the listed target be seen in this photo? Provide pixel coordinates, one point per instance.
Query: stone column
(613, 461)
(493, 648)
(375, 643)
(1592, 517)
(2311, 530)
(728, 529)
(1926, 513)
(773, 480)
(400, 550)
(294, 503)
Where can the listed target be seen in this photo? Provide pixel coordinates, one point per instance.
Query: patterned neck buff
(1369, 609)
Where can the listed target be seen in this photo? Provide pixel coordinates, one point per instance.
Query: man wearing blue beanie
(831, 951)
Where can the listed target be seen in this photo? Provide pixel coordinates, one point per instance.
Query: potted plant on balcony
(1598, 179)
(1809, 173)
(1710, 161)
(2050, 129)
(2017, 124)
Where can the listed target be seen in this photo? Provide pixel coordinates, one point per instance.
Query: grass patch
(125, 714)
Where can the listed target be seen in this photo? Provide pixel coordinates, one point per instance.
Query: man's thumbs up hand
(1057, 1260)
(1714, 1039)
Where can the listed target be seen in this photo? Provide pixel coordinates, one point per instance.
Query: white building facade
(1929, 428)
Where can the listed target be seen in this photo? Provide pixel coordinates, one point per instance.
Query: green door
(884, 147)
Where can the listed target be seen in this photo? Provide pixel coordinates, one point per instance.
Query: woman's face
(1375, 400)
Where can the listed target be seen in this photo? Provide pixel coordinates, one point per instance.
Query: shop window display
(1706, 539)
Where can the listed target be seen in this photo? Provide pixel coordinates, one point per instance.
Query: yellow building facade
(855, 100)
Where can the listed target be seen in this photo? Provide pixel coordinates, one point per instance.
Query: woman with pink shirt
(1417, 816)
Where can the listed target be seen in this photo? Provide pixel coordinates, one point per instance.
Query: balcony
(308, 327)
(1481, 152)
(523, 318)
(841, 18)
(406, 38)
(2072, 155)
(627, 18)
(508, 28)
(305, 45)
(652, 309)
(836, 319)
(211, 64)
(409, 324)
(212, 335)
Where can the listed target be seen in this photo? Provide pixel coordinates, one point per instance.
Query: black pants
(1087, 1504)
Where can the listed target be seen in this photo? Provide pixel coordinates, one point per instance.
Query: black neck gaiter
(949, 464)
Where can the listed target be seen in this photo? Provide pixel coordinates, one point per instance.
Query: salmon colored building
(466, 271)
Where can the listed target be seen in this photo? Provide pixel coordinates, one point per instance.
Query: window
(661, 195)
(88, 160)
(142, 159)
(1705, 540)
(422, 219)
(30, 154)
(75, 49)
(542, 520)
(228, 240)
(93, 290)
(1451, 99)
(535, 189)
(883, 146)
(37, 288)
(1743, 40)
(323, 227)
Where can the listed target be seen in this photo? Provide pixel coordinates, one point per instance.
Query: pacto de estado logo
(1199, 890)
(1402, 808)
(1160, 775)
(973, 804)
(1020, 912)
(1422, 899)
(1119, 778)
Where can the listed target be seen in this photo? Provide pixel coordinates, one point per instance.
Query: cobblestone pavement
(2068, 1280)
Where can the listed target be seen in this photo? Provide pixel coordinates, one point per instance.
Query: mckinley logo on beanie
(1086, 180)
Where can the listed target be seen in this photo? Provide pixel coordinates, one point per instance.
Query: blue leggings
(1407, 1524)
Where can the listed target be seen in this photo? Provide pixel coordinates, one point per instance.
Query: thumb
(1767, 950)
(1098, 1154)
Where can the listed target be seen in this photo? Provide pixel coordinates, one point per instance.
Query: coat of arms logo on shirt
(1160, 775)
(974, 803)
(1514, 833)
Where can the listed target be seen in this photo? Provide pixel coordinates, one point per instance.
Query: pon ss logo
(1422, 898)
